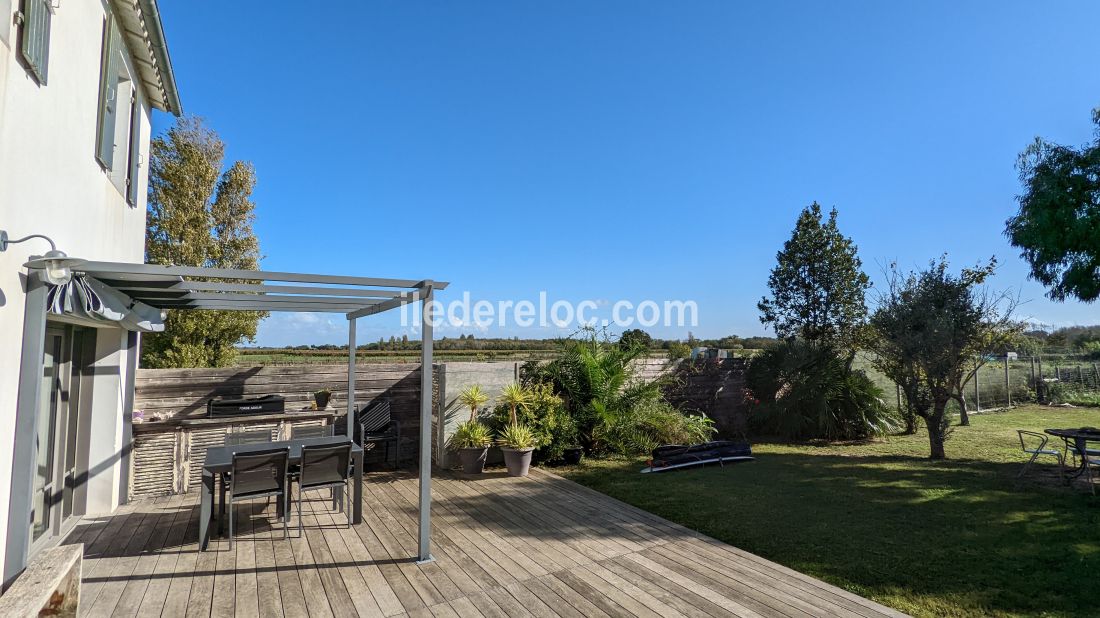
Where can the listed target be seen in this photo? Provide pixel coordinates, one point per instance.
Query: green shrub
(471, 434)
(647, 424)
(545, 415)
(803, 391)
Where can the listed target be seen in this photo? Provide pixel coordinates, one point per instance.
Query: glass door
(51, 399)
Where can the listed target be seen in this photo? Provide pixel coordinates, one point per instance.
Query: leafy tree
(678, 350)
(635, 338)
(818, 286)
(1057, 227)
(928, 329)
(199, 216)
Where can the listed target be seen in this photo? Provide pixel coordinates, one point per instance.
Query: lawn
(950, 538)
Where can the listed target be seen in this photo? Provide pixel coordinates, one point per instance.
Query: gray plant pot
(473, 459)
(517, 460)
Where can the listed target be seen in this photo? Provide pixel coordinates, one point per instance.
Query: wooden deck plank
(328, 571)
(449, 525)
(684, 600)
(160, 579)
(179, 587)
(395, 576)
(777, 604)
(138, 553)
(447, 574)
(764, 587)
(539, 546)
(559, 552)
(403, 557)
(291, 594)
(487, 606)
(313, 590)
(330, 523)
(572, 597)
(246, 601)
(269, 597)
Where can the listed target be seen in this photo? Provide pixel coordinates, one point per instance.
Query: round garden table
(1079, 437)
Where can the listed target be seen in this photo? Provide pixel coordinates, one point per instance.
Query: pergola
(187, 288)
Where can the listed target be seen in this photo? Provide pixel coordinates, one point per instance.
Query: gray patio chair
(377, 426)
(1090, 458)
(325, 467)
(259, 474)
(1035, 449)
(298, 432)
(237, 438)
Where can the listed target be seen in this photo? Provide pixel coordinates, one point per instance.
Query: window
(35, 36)
(110, 65)
(118, 130)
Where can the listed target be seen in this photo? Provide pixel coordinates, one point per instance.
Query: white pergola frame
(196, 288)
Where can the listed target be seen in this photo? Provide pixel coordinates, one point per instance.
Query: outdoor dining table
(219, 460)
(1080, 437)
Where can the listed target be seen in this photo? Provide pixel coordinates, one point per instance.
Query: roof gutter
(160, 49)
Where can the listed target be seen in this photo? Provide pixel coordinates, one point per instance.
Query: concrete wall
(453, 377)
(50, 183)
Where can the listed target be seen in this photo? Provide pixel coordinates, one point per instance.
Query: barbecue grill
(268, 404)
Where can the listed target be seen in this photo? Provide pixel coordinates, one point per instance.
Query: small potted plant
(517, 442)
(472, 439)
(322, 397)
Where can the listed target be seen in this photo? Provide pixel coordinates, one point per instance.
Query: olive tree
(927, 331)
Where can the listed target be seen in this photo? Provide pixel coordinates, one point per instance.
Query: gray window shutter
(108, 94)
(133, 154)
(35, 47)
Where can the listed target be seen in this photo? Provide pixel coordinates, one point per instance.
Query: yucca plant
(515, 396)
(473, 397)
(471, 434)
(519, 437)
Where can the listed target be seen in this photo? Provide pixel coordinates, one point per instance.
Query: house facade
(78, 82)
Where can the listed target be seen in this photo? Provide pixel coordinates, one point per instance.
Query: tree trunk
(935, 433)
(964, 418)
(910, 419)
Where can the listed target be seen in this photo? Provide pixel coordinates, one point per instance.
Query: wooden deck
(540, 546)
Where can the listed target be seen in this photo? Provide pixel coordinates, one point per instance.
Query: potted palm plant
(472, 438)
(517, 442)
(473, 397)
(514, 396)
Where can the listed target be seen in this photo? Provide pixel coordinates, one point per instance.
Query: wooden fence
(170, 444)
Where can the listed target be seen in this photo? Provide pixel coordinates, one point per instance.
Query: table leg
(357, 491)
(207, 509)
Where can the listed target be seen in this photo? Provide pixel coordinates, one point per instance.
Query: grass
(959, 537)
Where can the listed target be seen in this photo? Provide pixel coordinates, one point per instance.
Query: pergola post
(424, 553)
(351, 378)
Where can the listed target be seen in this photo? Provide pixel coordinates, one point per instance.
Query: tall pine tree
(199, 216)
(818, 285)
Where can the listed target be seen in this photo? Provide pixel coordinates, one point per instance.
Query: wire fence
(1007, 381)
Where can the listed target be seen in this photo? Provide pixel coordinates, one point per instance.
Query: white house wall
(50, 183)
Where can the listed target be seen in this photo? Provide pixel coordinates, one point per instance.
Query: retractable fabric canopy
(190, 288)
(85, 297)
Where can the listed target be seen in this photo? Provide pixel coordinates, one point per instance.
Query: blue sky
(630, 150)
